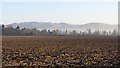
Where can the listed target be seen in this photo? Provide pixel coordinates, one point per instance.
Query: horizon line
(59, 23)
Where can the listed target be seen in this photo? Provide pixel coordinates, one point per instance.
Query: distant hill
(99, 26)
(62, 26)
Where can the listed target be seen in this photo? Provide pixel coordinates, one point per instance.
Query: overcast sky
(56, 12)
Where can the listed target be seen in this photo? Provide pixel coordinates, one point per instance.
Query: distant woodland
(18, 31)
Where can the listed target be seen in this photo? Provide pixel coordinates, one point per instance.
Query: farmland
(60, 51)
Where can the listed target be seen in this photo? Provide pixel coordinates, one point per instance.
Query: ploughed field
(60, 51)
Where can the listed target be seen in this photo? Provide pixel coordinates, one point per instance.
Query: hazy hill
(49, 25)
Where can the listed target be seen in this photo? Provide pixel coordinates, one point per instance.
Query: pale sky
(56, 12)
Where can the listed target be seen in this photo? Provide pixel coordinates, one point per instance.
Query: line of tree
(10, 31)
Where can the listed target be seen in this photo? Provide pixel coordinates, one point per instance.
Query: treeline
(10, 31)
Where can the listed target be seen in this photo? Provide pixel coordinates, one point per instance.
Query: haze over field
(59, 34)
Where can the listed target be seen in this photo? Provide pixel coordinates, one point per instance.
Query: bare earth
(60, 51)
